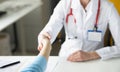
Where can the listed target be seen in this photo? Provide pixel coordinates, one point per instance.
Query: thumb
(40, 46)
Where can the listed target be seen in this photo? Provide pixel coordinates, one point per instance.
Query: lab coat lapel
(92, 12)
(89, 11)
(76, 6)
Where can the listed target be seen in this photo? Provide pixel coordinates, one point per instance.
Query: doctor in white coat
(85, 23)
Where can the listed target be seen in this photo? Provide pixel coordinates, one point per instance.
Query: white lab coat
(85, 21)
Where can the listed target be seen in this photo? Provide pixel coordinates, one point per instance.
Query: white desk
(25, 60)
(112, 65)
(56, 64)
(16, 9)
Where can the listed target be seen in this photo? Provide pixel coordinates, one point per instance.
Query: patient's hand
(83, 56)
(46, 43)
(45, 51)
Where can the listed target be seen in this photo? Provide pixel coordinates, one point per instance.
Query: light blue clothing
(38, 65)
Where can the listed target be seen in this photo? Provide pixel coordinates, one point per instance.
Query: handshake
(43, 40)
(44, 45)
(78, 56)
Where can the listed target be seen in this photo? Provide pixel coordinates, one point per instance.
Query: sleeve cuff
(103, 54)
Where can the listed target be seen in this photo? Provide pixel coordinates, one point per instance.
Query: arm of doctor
(40, 62)
(83, 56)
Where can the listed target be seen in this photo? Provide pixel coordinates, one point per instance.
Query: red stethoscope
(71, 14)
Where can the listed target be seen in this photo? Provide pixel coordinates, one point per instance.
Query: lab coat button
(69, 38)
(76, 37)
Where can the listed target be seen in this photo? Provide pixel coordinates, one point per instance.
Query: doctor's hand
(41, 38)
(80, 56)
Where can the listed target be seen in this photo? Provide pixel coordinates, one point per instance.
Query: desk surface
(24, 61)
(112, 65)
(56, 64)
(16, 9)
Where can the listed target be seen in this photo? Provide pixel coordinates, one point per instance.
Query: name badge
(94, 35)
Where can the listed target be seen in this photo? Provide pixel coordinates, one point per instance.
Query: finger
(71, 57)
(75, 57)
(40, 46)
(47, 35)
(39, 40)
(73, 54)
(39, 49)
(75, 60)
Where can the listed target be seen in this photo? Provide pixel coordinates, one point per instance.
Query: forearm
(46, 51)
(38, 65)
(109, 52)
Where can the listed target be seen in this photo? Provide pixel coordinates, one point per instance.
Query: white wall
(1, 1)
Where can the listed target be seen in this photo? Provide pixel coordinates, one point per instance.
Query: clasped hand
(80, 55)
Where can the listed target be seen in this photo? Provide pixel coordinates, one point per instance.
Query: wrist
(45, 52)
(94, 55)
(45, 35)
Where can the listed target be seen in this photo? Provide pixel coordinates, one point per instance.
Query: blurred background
(20, 36)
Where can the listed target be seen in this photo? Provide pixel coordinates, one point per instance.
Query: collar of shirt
(91, 9)
(92, 5)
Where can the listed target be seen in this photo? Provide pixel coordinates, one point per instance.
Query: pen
(10, 64)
